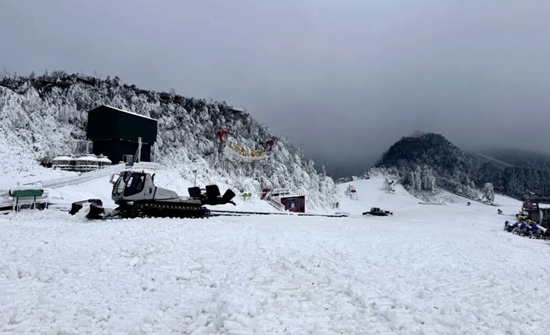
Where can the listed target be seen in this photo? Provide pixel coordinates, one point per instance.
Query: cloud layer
(345, 79)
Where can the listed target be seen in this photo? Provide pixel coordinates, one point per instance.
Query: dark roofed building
(116, 132)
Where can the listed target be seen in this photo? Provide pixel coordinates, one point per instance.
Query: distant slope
(492, 159)
(518, 157)
(370, 194)
(402, 203)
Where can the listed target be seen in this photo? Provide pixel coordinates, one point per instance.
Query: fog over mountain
(345, 79)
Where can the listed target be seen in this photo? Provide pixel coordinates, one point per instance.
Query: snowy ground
(23, 168)
(427, 270)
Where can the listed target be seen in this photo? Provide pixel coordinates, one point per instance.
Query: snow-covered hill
(417, 158)
(42, 116)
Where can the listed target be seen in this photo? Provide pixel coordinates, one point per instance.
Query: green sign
(26, 193)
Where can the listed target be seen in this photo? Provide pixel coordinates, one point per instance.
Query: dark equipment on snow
(375, 211)
(137, 196)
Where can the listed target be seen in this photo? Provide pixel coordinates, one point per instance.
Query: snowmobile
(521, 229)
(136, 195)
(527, 229)
(375, 211)
(509, 226)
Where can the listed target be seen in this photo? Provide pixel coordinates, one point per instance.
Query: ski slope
(451, 271)
(402, 203)
(426, 270)
(370, 194)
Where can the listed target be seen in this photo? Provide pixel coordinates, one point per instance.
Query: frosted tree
(431, 183)
(412, 181)
(428, 179)
(426, 171)
(488, 192)
(418, 178)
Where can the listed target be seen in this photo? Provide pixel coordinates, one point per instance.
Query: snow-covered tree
(488, 192)
(431, 183)
(411, 181)
(418, 178)
(428, 179)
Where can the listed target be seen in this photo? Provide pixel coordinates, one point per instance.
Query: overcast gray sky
(344, 78)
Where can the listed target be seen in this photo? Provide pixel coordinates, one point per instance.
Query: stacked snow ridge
(42, 115)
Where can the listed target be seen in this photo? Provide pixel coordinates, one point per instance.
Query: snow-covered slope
(19, 166)
(403, 204)
(370, 194)
(446, 269)
(427, 270)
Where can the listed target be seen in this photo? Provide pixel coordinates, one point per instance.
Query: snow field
(426, 270)
(453, 271)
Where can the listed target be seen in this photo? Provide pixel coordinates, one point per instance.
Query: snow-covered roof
(128, 112)
(26, 187)
(63, 158)
(87, 158)
(104, 159)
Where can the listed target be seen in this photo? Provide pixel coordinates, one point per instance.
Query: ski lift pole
(139, 150)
